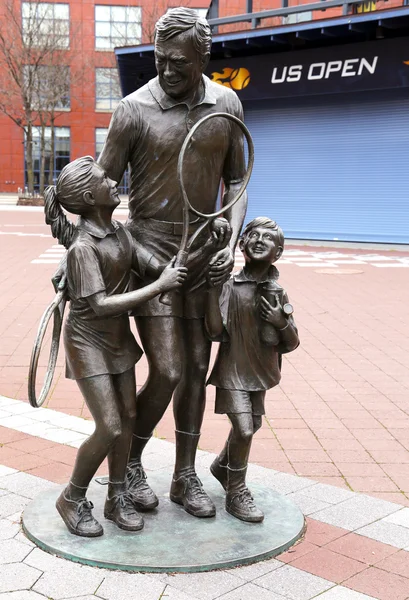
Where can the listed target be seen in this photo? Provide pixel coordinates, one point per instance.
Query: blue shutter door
(333, 167)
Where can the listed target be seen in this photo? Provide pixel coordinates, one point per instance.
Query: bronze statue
(101, 351)
(252, 318)
(147, 131)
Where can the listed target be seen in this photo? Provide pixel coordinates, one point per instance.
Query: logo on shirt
(235, 79)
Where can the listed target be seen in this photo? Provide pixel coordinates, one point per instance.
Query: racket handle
(181, 260)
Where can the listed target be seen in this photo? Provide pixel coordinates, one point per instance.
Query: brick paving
(340, 418)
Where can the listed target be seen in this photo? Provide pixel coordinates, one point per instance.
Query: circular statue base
(172, 540)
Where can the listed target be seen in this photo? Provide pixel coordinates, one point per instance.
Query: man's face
(179, 65)
(260, 244)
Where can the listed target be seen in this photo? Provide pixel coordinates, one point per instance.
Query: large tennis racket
(186, 243)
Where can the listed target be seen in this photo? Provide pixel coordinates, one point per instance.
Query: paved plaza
(335, 438)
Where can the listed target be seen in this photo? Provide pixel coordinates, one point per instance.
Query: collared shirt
(243, 361)
(147, 131)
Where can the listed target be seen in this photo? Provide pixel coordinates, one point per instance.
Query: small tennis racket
(186, 243)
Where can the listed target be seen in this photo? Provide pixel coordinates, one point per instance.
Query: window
(48, 86)
(100, 137)
(117, 26)
(46, 25)
(107, 89)
(61, 154)
(202, 12)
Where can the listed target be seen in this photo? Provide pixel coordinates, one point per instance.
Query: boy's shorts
(239, 401)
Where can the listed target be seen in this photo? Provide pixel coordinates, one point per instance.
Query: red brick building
(95, 27)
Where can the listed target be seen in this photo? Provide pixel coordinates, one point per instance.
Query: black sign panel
(375, 65)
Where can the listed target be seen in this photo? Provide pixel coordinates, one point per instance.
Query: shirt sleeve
(140, 258)
(84, 272)
(115, 154)
(234, 167)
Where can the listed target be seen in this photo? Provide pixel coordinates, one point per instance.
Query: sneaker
(121, 510)
(241, 505)
(143, 497)
(78, 517)
(219, 472)
(188, 491)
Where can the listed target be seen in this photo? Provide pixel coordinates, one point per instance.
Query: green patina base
(172, 540)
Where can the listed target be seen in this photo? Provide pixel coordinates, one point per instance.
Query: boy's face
(103, 189)
(261, 244)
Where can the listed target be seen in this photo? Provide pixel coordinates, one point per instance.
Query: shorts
(162, 239)
(239, 401)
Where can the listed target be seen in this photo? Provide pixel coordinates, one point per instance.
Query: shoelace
(136, 476)
(245, 497)
(84, 508)
(196, 487)
(125, 502)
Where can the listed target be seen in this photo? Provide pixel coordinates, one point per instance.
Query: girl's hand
(172, 277)
(273, 314)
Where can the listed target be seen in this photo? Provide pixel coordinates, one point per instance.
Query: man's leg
(189, 405)
(162, 341)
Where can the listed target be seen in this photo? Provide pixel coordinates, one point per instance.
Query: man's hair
(267, 224)
(180, 20)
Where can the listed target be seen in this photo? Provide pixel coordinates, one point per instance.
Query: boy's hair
(179, 20)
(267, 224)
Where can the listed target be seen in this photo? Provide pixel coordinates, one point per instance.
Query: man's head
(262, 240)
(182, 51)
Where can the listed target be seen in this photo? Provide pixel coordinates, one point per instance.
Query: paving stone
(341, 593)
(8, 530)
(399, 518)
(387, 533)
(20, 537)
(129, 586)
(328, 493)
(283, 483)
(171, 593)
(25, 484)
(68, 579)
(306, 504)
(356, 512)
(256, 570)
(206, 586)
(17, 576)
(43, 561)
(13, 551)
(249, 590)
(293, 583)
(155, 461)
(23, 595)
(11, 503)
(6, 471)
(4, 401)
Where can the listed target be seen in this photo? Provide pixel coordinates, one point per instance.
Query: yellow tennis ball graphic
(239, 79)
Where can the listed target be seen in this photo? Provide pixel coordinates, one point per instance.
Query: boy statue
(252, 318)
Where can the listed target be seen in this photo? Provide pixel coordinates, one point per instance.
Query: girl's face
(103, 188)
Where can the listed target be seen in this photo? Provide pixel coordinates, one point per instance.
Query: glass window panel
(102, 13)
(27, 9)
(103, 29)
(118, 13)
(61, 11)
(133, 13)
(101, 42)
(119, 30)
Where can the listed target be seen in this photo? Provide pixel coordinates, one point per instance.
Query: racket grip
(181, 260)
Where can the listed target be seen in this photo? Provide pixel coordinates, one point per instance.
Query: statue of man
(147, 131)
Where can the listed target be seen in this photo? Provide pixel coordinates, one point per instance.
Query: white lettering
(333, 67)
(370, 67)
(320, 75)
(275, 79)
(346, 71)
(294, 73)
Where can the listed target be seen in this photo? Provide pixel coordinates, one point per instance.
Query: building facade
(94, 28)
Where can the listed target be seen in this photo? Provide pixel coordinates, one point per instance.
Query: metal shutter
(333, 167)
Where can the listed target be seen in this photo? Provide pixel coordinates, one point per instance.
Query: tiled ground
(356, 547)
(341, 414)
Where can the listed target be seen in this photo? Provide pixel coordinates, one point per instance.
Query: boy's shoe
(78, 517)
(121, 510)
(188, 491)
(219, 472)
(143, 497)
(241, 505)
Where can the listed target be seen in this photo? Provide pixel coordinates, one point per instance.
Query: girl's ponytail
(61, 227)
